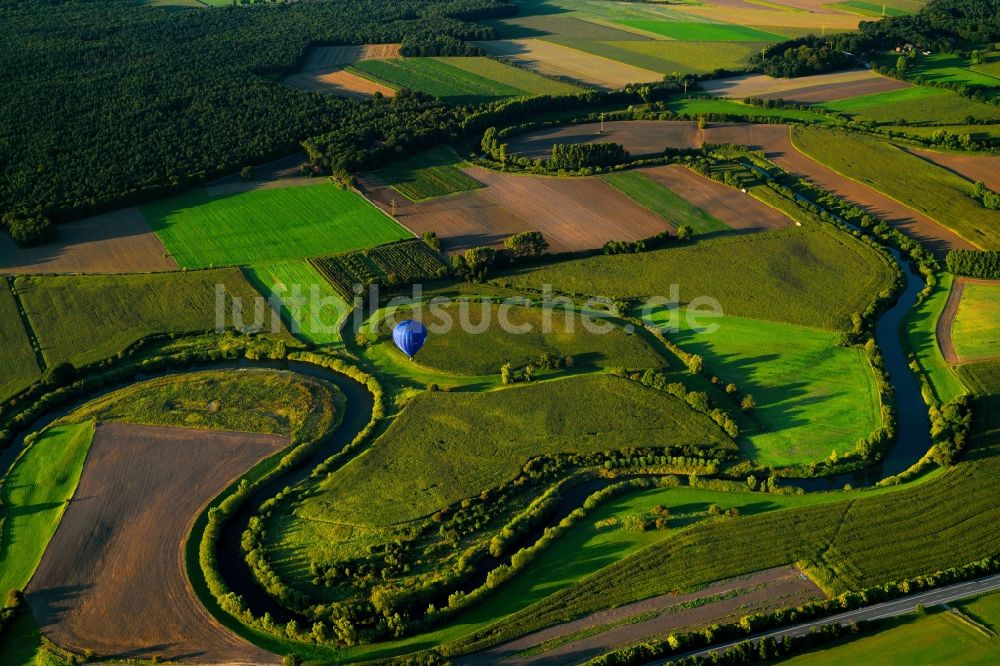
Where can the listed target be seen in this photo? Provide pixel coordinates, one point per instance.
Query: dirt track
(725, 601)
(118, 242)
(647, 137)
(113, 580)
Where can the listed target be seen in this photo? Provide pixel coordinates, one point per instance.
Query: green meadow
(975, 332)
(694, 106)
(870, 8)
(674, 209)
(34, 495)
(701, 32)
(946, 68)
(918, 104)
(201, 231)
(310, 308)
(18, 365)
(812, 396)
(921, 332)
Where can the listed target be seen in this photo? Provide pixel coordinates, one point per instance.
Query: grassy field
(812, 396)
(938, 193)
(461, 80)
(784, 276)
(670, 57)
(977, 132)
(869, 8)
(702, 32)
(267, 225)
(18, 366)
(694, 106)
(936, 638)
(408, 262)
(87, 318)
(946, 68)
(976, 331)
(432, 173)
(447, 446)
(915, 105)
(34, 494)
(465, 350)
(310, 308)
(645, 191)
(921, 331)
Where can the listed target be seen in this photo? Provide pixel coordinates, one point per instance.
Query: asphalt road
(936, 597)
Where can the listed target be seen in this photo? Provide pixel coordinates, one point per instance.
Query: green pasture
(927, 188)
(702, 32)
(87, 318)
(695, 106)
(432, 173)
(310, 308)
(669, 56)
(869, 8)
(811, 276)
(674, 209)
(976, 330)
(18, 366)
(812, 396)
(476, 338)
(921, 332)
(34, 495)
(917, 104)
(467, 81)
(444, 447)
(945, 68)
(939, 637)
(200, 230)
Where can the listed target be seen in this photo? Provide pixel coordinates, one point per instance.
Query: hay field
(837, 85)
(118, 242)
(568, 63)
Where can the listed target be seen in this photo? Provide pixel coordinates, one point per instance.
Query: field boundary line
(36, 346)
(947, 320)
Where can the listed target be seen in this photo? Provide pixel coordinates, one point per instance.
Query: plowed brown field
(807, 89)
(113, 580)
(118, 242)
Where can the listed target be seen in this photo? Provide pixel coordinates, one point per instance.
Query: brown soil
(807, 89)
(646, 137)
(323, 71)
(118, 242)
(730, 206)
(762, 591)
(947, 320)
(977, 168)
(113, 579)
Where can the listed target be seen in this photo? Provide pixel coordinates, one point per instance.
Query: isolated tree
(526, 245)
(506, 374)
(684, 232)
(696, 364)
(748, 403)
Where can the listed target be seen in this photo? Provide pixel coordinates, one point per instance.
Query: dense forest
(942, 25)
(115, 101)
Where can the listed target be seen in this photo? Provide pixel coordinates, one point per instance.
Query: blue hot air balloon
(409, 336)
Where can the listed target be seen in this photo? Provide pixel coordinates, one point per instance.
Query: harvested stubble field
(113, 578)
(976, 168)
(87, 318)
(808, 89)
(327, 57)
(669, 57)
(563, 62)
(719, 603)
(785, 276)
(339, 82)
(18, 365)
(118, 242)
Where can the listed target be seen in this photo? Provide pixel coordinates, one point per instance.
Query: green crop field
(977, 132)
(808, 276)
(519, 335)
(87, 318)
(812, 396)
(310, 308)
(946, 68)
(34, 495)
(18, 366)
(927, 188)
(444, 447)
(915, 105)
(694, 106)
(936, 638)
(869, 8)
(432, 173)
(976, 333)
(467, 81)
(677, 211)
(702, 32)
(921, 330)
(670, 57)
(266, 225)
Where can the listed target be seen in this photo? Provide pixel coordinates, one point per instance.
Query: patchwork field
(432, 173)
(310, 308)
(676, 210)
(974, 330)
(927, 189)
(18, 365)
(460, 80)
(327, 57)
(775, 16)
(126, 594)
(323, 70)
(115, 312)
(780, 276)
(976, 168)
(339, 82)
(266, 225)
(669, 56)
(807, 89)
(119, 242)
(563, 62)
